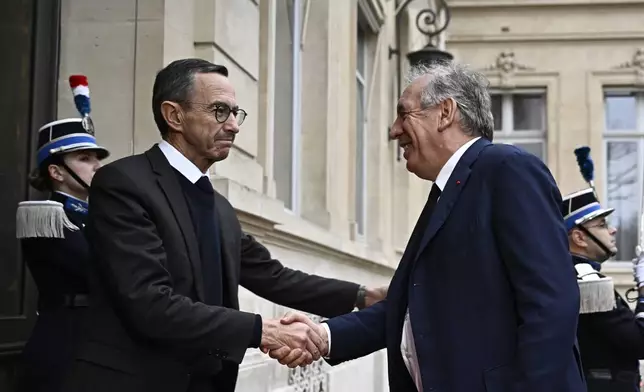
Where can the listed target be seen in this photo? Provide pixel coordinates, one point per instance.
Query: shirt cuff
(328, 337)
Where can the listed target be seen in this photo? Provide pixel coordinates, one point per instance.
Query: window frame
(626, 135)
(508, 134)
(294, 8)
(360, 182)
(296, 126)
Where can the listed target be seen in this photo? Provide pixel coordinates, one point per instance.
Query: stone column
(99, 41)
(266, 105)
(340, 120)
(226, 32)
(120, 45)
(317, 111)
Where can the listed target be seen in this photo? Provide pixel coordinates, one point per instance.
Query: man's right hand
(293, 343)
(285, 355)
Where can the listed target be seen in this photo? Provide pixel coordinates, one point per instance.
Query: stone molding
(267, 220)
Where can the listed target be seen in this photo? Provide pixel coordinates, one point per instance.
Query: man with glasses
(611, 340)
(169, 254)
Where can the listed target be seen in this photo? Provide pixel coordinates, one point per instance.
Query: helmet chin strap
(60, 161)
(607, 252)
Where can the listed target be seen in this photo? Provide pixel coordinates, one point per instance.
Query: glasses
(222, 112)
(602, 225)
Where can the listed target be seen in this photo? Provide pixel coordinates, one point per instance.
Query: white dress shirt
(407, 345)
(182, 164)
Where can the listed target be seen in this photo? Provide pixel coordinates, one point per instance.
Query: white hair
(467, 87)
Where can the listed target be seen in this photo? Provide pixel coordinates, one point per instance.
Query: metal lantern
(427, 24)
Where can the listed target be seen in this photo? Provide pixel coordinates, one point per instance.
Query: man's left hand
(374, 295)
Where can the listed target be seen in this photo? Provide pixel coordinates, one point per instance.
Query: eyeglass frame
(604, 224)
(213, 107)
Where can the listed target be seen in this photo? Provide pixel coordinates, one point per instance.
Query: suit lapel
(450, 194)
(228, 263)
(172, 189)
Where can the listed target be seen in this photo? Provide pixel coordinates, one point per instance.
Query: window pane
(529, 112)
(497, 111)
(283, 119)
(621, 112)
(534, 148)
(360, 156)
(623, 195)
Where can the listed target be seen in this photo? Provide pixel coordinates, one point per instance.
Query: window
(361, 126)
(520, 119)
(287, 117)
(624, 138)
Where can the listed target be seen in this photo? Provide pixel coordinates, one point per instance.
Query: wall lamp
(427, 23)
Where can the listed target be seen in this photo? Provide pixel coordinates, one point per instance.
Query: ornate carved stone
(506, 66)
(506, 63)
(312, 378)
(637, 63)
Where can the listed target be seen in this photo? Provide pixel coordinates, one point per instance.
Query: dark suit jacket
(147, 329)
(489, 284)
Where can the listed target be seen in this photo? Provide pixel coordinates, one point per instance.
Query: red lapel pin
(458, 182)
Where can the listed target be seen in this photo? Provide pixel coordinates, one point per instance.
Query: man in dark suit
(169, 254)
(485, 297)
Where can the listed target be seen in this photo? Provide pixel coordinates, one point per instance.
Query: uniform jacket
(59, 269)
(612, 341)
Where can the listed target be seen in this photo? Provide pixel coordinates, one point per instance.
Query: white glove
(638, 267)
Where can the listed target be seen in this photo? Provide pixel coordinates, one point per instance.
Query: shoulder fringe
(596, 292)
(596, 295)
(44, 218)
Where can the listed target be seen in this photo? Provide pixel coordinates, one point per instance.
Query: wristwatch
(360, 297)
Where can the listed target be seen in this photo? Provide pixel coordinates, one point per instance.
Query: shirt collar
(450, 165)
(576, 259)
(180, 162)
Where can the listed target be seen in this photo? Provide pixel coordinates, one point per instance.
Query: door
(29, 36)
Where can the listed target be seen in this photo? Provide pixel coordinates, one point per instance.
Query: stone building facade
(567, 73)
(312, 174)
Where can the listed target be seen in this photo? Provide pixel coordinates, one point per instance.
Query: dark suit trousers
(202, 384)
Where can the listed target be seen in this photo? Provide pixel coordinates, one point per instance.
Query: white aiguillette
(43, 218)
(597, 292)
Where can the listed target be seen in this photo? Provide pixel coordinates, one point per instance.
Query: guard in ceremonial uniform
(610, 334)
(53, 244)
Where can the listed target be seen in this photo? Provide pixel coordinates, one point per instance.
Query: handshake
(294, 340)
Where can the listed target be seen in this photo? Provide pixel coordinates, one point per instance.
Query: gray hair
(467, 87)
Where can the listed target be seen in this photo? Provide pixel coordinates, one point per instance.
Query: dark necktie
(423, 220)
(432, 200)
(210, 248)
